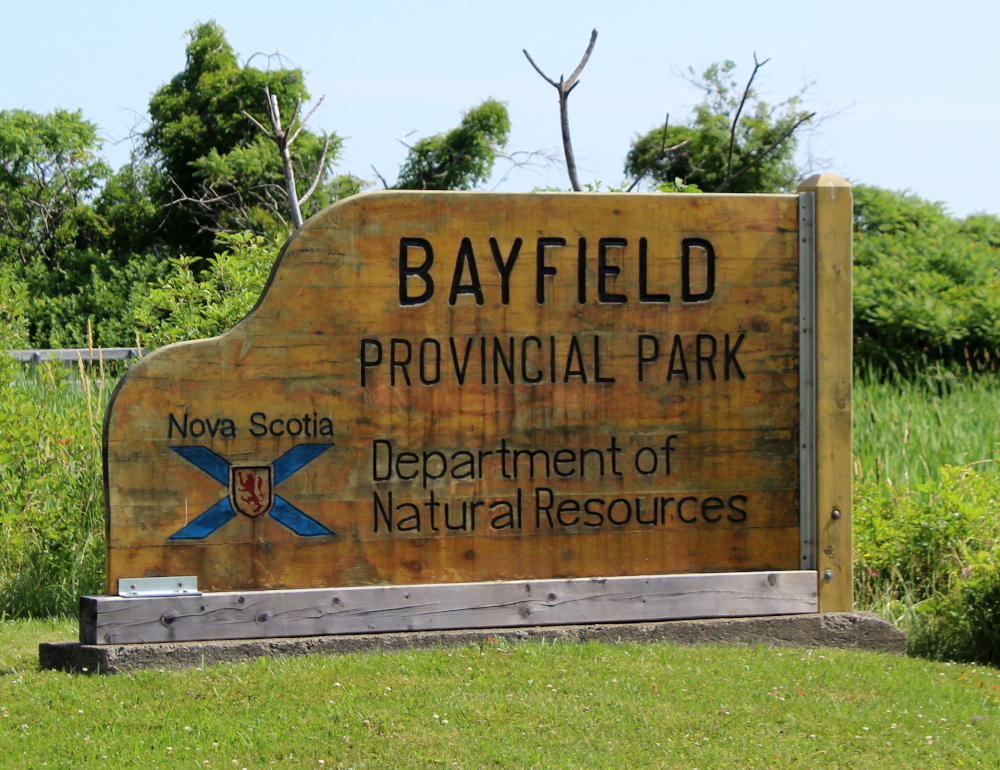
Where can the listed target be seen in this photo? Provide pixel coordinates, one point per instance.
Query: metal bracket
(159, 586)
(807, 380)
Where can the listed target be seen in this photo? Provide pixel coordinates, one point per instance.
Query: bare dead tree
(283, 140)
(564, 87)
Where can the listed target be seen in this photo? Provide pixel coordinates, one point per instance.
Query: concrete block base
(850, 630)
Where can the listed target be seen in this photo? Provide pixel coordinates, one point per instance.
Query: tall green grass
(907, 430)
(927, 510)
(51, 491)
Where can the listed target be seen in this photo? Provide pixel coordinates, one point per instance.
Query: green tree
(54, 263)
(734, 141)
(219, 173)
(461, 158)
(49, 172)
(97, 309)
(127, 204)
(14, 301)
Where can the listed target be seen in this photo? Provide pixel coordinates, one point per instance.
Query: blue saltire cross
(281, 511)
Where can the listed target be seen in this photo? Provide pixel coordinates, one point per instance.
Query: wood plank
(723, 380)
(834, 339)
(378, 609)
(454, 558)
(542, 511)
(750, 461)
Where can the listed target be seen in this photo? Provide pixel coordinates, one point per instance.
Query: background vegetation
(926, 285)
(927, 511)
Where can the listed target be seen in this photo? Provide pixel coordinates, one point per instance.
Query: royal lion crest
(250, 489)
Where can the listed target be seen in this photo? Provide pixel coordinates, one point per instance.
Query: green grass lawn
(525, 705)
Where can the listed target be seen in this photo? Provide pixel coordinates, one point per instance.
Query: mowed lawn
(499, 705)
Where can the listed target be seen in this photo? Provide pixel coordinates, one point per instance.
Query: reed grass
(907, 430)
(51, 493)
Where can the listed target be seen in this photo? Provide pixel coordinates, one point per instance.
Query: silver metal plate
(159, 586)
(807, 379)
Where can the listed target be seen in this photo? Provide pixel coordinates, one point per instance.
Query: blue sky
(910, 88)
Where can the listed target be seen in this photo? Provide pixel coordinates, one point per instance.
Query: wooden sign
(444, 388)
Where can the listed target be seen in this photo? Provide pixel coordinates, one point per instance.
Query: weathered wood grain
(834, 381)
(751, 462)
(283, 563)
(724, 384)
(270, 614)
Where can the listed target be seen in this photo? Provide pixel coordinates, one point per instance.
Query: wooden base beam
(435, 607)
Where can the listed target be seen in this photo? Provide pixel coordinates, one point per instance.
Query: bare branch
(583, 62)
(274, 113)
(765, 152)
(528, 161)
(743, 100)
(319, 173)
(237, 203)
(305, 119)
(257, 123)
(655, 158)
(402, 140)
(666, 151)
(564, 87)
(381, 178)
(283, 140)
(211, 196)
(538, 69)
(275, 54)
(291, 120)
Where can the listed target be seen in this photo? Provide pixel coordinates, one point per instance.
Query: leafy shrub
(183, 304)
(927, 509)
(14, 303)
(927, 558)
(95, 308)
(926, 286)
(146, 300)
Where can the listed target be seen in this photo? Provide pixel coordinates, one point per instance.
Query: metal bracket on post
(158, 586)
(807, 379)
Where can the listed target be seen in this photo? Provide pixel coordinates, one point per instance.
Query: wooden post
(834, 374)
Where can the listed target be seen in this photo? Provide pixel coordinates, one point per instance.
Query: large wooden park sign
(453, 409)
